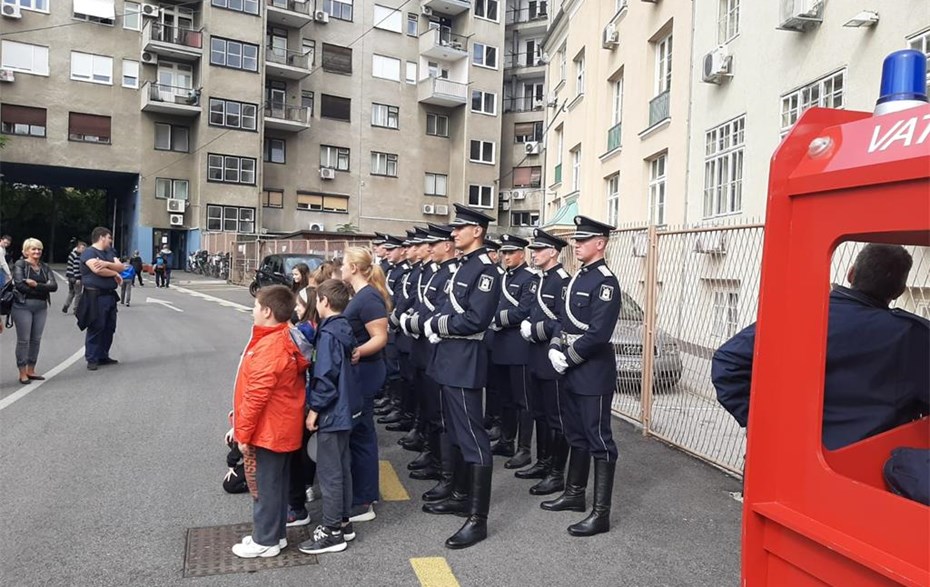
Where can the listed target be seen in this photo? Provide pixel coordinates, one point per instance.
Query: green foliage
(347, 228)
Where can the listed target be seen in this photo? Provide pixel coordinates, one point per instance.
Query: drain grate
(209, 551)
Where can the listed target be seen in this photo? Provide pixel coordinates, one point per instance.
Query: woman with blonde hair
(367, 313)
(34, 283)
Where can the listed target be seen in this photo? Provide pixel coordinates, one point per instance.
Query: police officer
(497, 374)
(380, 251)
(582, 350)
(551, 446)
(459, 365)
(395, 253)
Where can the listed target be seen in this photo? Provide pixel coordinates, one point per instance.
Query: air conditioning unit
(427, 11)
(428, 209)
(518, 195)
(553, 100)
(713, 243)
(611, 37)
(12, 10)
(317, 227)
(533, 147)
(504, 205)
(7, 75)
(504, 195)
(640, 244)
(538, 104)
(441, 210)
(321, 16)
(148, 58)
(177, 206)
(150, 10)
(800, 15)
(327, 173)
(716, 65)
(544, 58)
(176, 219)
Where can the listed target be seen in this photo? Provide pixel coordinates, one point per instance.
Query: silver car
(628, 346)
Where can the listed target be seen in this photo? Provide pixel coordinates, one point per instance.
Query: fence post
(650, 286)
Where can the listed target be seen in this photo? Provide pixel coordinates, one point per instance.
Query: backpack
(7, 297)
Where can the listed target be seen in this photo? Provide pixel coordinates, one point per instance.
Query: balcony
(285, 64)
(443, 45)
(525, 64)
(524, 104)
(166, 99)
(176, 43)
(532, 17)
(442, 92)
(613, 138)
(659, 109)
(289, 13)
(286, 118)
(447, 7)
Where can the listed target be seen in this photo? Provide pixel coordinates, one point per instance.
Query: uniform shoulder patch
(485, 259)
(563, 273)
(485, 283)
(605, 271)
(533, 287)
(607, 293)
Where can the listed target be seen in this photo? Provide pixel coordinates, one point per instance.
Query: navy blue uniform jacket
(333, 391)
(544, 319)
(877, 374)
(404, 296)
(508, 347)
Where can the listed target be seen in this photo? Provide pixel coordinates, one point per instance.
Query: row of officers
(484, 350)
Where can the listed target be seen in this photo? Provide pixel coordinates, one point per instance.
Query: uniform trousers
(587, 424)
(363, 442)
(430, 402)
(462, 416)
(551, 392)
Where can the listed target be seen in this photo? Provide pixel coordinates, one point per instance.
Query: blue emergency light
(904, 81)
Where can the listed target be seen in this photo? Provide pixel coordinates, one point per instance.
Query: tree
(347, 228)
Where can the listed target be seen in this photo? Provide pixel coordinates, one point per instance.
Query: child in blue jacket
(128, 276)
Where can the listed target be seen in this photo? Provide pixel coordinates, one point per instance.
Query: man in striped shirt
(73, 273)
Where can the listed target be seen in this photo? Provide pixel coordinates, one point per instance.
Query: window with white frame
(334, 157)
(89, 128)
(24, 58)
(723, 168)
(130, 73)
(613, 199)
(411, 77)
(132, 17)
(527, 177)
(826, 92)
(486, 9)
(388, 19)
(385, 116)
(96, 11)
(272, 198)
(413, 23)
(230, 218)
(37, 5)
(436, 184)
(524, 219)
(274, 150)
(921, 42)
(341, 9)
(230, 169)
(246, 6)
(616, 102)
(579, 75)
(524, 132)
(576, 169)
(481, 152)
(657, 179)
(175, 189)
(385, 67)
(484, 102)
(437, 125)
(233, 114)
(233, 54)
(97, 69)
(726, 313)
(317, 202)
(22, 120)
(384, 164)
(727, 20)
(484, 55)
(563, 63)
(481, 196)
(172, 137)
(663, 80)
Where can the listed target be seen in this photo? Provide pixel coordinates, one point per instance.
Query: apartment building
(254, 117)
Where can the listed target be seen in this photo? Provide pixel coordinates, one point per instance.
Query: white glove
(558, 360)
(428, 330)
(526, 330)
(434, 338)
(403, 323)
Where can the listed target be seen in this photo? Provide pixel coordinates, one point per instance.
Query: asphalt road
(101, 474)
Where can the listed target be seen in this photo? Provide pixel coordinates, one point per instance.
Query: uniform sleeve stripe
(504, 318)
(574, 356)
(443, 326)
(540, 331)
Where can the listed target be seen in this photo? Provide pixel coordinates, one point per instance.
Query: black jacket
(44, 278)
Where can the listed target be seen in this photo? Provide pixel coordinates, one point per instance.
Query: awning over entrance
(565, 215)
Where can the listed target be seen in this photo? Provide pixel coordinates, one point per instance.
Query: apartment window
(230, 218)
(437, 125)
(433, 70)
(411, 76)
(482, 152)
(576, 169)
(233, 114)
(527, 131)
(171, 137)
(385, 67)
(323, 202)
(335, 108)
(230, 169)
(723, 168)
(168, 188)
(22, 120)
(233, 54)
(484, 102)
(921, 42)
(579, 75)
(246, 6)
(524, 219)
(663, 82)
(563, 63)
(97, 11)
(727, 20)
(37, 5)
(308, 47)
(130, 73)
(657, 189)
(132, 19)
(617, 101)
(96, 69)
(826, 92)
(334, 157)
(274, 150)
(484, 55)
(388, 19)
(272, 199)
(436, 184)
(341, 9)
(613, 199)
(413, 23)
(337, 59)
(88, 128)
(527, 177)
(383, 164)
(385, 116)
(726, 313)
(480, 196)
(486, 9)
(306, 101)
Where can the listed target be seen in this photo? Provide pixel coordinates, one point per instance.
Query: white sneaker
(282, 544)
(363, 514)
(251, 550)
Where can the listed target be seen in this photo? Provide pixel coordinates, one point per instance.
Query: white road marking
(26, 390)
(214, 299)
(164, 303)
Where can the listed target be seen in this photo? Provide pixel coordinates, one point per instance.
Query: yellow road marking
(391, 487)
(434, 571)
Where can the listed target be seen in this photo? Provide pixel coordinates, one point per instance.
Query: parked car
(277, 268)
(628, 346)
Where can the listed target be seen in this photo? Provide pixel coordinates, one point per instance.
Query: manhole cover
(209, 551)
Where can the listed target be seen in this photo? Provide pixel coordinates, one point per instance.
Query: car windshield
(630, 310)
(290, 262)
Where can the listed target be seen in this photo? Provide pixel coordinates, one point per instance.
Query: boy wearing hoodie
(333, 400)
(268, 418)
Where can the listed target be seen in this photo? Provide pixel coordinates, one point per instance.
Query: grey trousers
(29, 320)
(125, 291)
(334, 472)
(75, 291)
(269, 509)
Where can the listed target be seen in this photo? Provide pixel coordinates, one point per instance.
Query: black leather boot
(572, 499)
(475, 528)
(413, 440)
(444, 453)
(425, 458)
(598, 521)
(494, 432)
(382, 401)
(523, 456)
(558, 454)
(391, 417)
(543, 461)
(457, 503)
(404, 423)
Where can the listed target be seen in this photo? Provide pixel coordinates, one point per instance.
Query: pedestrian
(160, 265)
(128, 276)
(268, 418)
(460, 365)
(168, 256)
(136, 262)
(581, 349)
(334, 399)
(34, 283)
(300, 280)
(73, 274)
(100, 274)
(5, 273)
